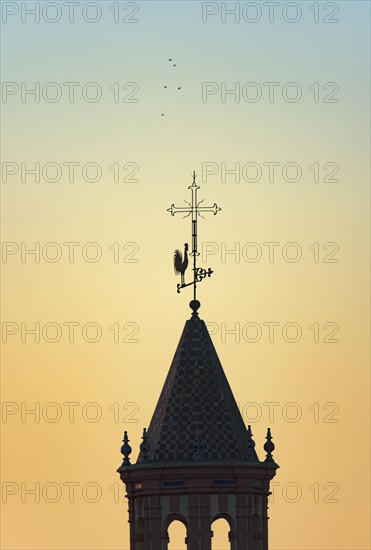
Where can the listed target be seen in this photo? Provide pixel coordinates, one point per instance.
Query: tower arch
(170, 521)
(228, 532)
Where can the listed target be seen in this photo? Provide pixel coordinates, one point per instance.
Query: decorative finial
(251, 455)
(126, 450)
(198, 445)
(181, 262)
(194, 305)
(144, 446)
(269, 446)
(250, 441)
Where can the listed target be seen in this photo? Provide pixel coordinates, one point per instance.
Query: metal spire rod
(195, 210)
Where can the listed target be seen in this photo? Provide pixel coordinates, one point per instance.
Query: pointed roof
(197, 417)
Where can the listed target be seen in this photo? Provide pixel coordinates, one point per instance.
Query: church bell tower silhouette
(197, 461)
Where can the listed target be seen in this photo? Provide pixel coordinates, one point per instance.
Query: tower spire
(197, 461)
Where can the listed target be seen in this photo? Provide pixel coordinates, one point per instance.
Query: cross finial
(180, 263)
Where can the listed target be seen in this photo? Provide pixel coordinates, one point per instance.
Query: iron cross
(195, 210)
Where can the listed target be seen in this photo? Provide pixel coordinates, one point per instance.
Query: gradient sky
(323, 386)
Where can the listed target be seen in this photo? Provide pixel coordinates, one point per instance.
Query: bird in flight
(165, 87)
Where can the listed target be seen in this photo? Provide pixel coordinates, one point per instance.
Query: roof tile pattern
(196, 417)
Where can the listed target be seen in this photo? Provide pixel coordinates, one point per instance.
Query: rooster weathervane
(181, 261)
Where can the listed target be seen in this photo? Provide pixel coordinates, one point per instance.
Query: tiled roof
(196, 417)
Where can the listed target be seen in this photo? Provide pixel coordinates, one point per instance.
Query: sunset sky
(273, 115)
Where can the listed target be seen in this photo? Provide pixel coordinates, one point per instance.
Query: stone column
(265, 521)
(250, 527)
(131, 521)
(205, 515)
(193, 534)
(233, 540)
(241, 520)
(154, 522)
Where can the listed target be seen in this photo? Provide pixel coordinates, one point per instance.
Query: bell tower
(197, 461)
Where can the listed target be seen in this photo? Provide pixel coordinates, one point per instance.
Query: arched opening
(177, 532)
(257, 542)
(221, 528)
(139, 534)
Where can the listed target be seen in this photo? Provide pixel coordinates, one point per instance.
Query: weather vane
(181, 262)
